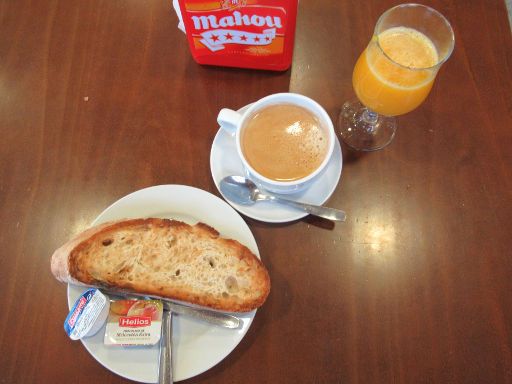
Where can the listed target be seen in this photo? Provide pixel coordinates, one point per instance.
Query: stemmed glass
(395, 73)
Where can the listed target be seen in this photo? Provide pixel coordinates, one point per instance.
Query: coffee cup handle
(228, 120)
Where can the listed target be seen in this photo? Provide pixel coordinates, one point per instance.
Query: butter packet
(88, 315)
(134, 322)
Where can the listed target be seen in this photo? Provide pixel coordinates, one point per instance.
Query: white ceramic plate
(196, 346)
(224, 161)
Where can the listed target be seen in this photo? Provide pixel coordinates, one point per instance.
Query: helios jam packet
(256, 34)
(134, 322)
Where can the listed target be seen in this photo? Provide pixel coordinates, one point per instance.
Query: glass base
(364, 130)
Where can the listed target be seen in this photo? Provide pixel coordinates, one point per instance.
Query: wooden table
(102, 98)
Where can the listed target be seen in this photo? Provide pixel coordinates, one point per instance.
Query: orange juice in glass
(395, 73)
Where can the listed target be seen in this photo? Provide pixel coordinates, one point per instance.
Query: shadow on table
(351, 155)
(315, 221)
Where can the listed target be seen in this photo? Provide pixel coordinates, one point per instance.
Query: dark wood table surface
(102, 98)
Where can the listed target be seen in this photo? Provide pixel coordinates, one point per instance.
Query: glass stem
(370, 118)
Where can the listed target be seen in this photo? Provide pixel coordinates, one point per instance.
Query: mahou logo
(134, 321)
(255, 26)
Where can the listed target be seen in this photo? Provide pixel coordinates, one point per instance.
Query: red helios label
(134, 321)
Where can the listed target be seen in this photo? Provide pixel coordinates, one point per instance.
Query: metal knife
(165, 374)
(212, 317)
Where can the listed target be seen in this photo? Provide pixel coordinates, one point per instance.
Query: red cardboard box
(256, 34)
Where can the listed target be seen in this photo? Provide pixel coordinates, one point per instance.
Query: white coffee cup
(234, 123)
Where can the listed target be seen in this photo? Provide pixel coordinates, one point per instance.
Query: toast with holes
(165, 258)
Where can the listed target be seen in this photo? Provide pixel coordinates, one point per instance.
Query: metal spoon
(244, 192)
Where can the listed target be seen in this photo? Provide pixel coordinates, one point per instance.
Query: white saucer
(224, 161)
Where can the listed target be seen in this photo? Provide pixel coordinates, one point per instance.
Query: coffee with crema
(284, 142)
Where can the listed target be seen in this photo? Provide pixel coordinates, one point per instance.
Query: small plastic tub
(87, 315)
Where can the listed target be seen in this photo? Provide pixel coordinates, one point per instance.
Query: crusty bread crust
(60, 260)
(166, 258)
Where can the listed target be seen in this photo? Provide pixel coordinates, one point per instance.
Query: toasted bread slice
(166, 258)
